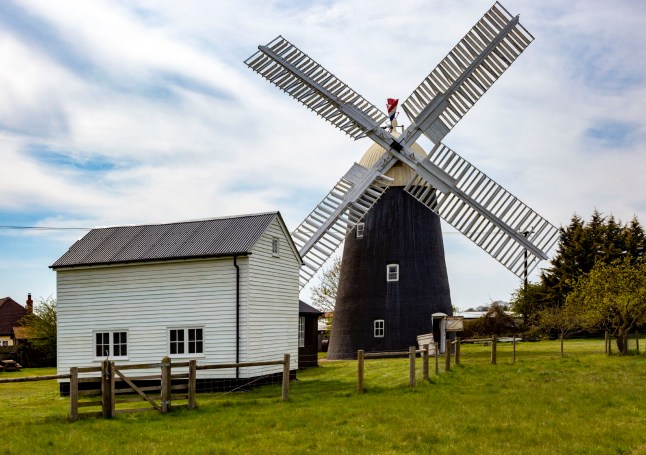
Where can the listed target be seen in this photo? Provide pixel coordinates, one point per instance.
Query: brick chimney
(30, 304)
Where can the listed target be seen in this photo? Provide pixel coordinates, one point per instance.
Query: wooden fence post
(457, 350)
(605, 341)
(412, 382)
(514, 349)
(113, 396)
(437, 358)
(74, 394)
(493, 349)
(360, 371)
(447, 356)
(425, 362)
(165, 385)
(286, 377)
(637, 340)
(192, 383)
(106, 393)
(609, 343)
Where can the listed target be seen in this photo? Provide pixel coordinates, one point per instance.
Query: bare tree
(565, 320)
(324, 294)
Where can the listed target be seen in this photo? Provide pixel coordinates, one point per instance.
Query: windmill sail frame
(496, 221)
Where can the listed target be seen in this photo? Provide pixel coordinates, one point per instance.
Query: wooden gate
(157, 396)
(145, 392)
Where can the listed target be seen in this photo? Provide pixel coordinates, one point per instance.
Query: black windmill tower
(393, 275)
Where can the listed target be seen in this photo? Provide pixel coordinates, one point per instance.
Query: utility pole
(525, 234)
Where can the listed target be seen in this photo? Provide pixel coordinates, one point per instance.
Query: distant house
(308, 345)
(11, 312)
(221, 290)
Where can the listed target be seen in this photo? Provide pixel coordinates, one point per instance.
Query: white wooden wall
(272, 301)
(146, 300)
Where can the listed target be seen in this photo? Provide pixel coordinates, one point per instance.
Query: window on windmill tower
(392, 272)
(361, 227)
(274, 246)
(379, 328)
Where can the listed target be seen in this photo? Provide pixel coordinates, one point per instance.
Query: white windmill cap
(400, 173)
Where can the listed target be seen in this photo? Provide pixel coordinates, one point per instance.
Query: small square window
(120, 344)
(275, 247)
(361, 227)
(183, 342)
(177, 341)
(110, 344)
(195, 341)
(392, 272)
(379, 328)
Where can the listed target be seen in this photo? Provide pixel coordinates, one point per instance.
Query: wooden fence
(494, 347)
(159, 397)
(452, 350)
(412, 355)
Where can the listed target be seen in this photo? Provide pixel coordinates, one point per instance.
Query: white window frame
(392, 272)
(275, 247)
(301, 331)
(361, 228)
(379, 328)
(112, 342)
(185, 342)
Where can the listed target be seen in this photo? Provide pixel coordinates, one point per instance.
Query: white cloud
(157, 91)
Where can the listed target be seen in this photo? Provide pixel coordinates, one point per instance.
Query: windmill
(387, 311)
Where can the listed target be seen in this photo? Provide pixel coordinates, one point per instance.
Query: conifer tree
(602, 240)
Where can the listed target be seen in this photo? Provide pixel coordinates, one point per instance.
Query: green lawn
(585, 403)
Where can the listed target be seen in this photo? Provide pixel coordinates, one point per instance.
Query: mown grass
(585, 403)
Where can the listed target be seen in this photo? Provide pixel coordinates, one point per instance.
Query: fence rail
(34, 378)
(168, 392)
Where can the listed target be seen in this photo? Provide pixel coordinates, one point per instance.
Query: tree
(324, 295)
(564, 320)
(581, 246)
(612, 297)
(494, 322)
(529, 302)
(42, 327)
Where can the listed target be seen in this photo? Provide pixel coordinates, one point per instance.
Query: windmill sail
(465, 74)
(485, 212)
(447, 184)
(325, 228)
(298, 75)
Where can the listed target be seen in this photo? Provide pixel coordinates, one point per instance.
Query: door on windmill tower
(439, 330)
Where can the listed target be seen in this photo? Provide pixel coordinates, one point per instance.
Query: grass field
(585, 403)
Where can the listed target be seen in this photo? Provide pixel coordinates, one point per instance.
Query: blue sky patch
(612, 134)
(195, 85)
(29, 217)
(42, 35)
(65, 160)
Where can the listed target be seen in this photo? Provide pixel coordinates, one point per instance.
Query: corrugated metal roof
(190, 239)
(305, 308)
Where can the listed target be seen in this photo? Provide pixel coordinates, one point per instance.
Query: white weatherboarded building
(220, 290)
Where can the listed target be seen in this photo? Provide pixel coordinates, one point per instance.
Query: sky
(139, 111)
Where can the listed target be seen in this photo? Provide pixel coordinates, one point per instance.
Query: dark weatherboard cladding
(398, 230)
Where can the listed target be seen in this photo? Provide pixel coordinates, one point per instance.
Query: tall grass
(585, 403)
